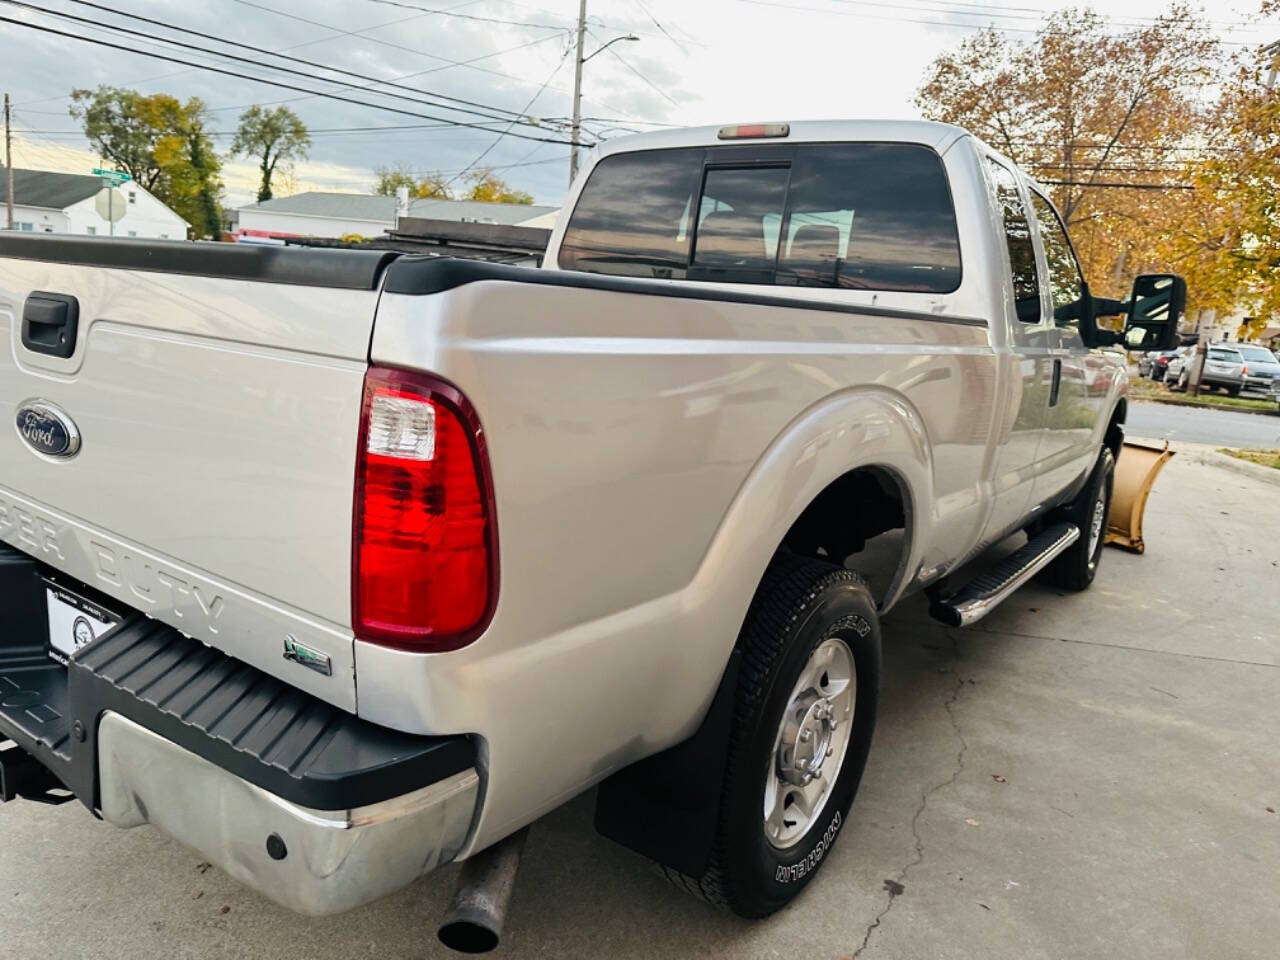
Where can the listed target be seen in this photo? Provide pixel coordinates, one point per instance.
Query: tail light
(1244, 370)
(424, 549)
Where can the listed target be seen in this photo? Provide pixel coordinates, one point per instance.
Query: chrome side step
(984, 593)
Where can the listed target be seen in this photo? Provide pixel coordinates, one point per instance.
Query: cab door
(1080, 381)
(1031, 352)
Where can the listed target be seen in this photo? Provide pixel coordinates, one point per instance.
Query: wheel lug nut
(805, 736)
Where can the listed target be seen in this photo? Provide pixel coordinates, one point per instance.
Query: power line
(487, 111)
(647, 13)
(404, 76)
(617, 56)
(1123, 186)
(469, 16)
(416, 52)
(498, 139)
(926, 22)
(274, 83)
(992, 11)
(295, 46)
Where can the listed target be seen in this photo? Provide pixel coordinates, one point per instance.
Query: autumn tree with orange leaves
(1083, 107)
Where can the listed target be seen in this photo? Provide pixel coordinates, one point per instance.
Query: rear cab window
(863, 216)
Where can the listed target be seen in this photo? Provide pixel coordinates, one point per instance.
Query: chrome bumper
(311, 861)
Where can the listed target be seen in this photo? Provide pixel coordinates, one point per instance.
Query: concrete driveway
(1078, 776)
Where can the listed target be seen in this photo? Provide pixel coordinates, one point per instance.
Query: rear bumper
(311, 806)
(311, 861)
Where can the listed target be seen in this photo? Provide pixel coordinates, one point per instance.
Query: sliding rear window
(864, 216)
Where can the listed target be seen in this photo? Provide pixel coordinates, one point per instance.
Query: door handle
(49, 322)
(1056, 383)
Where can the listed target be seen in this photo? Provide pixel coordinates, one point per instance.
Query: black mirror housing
(1155, 307)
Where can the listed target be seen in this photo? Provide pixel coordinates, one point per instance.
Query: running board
(984, 593)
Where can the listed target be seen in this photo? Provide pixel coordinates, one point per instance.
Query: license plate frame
(74, 620)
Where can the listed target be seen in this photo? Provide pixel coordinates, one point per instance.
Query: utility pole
(577, 92)
(8, 166)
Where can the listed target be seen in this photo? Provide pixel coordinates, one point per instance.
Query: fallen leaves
(998, 778)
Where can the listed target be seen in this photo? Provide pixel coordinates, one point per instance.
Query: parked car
(1181, 359)
(339, 565)
(1154, 364)
(1223, 370)
(1260, 366)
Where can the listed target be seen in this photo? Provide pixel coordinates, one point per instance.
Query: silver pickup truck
(341, 565)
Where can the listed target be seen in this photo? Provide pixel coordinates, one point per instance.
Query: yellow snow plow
(1136, 471)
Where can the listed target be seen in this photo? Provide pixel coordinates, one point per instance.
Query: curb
(1210, 457)
(1173, 402)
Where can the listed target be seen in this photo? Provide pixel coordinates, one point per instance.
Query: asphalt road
(1078, 776)
(1222, 428)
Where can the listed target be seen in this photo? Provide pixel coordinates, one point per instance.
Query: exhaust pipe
(473, 923)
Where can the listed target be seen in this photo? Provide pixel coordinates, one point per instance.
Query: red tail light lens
(424, 566)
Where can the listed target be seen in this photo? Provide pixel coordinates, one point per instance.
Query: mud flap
(1136, 471)
(666, 807)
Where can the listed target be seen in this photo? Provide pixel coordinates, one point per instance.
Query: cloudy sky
(696, 61)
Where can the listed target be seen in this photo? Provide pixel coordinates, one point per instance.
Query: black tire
(800, 603)
(1233, 391)
(1075, 567)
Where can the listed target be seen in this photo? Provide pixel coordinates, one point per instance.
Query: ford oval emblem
(46, 429)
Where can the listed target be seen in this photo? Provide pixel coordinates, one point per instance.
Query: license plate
(74, 621)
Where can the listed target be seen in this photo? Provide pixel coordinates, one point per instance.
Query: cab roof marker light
(755, 131)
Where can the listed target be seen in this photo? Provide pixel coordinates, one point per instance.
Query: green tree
(391, 179)
(163, 144)
(488, 186)
(119, 124)
(271, 137)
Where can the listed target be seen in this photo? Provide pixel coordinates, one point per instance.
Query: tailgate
(217, 420)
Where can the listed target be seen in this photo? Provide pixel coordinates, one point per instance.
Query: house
(320, 214)
(45, 202)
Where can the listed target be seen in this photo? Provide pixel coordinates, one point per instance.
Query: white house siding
(309, 226)
(145, 217)
(37, 219)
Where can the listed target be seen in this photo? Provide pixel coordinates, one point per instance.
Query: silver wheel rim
(810, 747)
(1099, 519)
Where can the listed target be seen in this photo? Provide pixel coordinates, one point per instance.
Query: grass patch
(1142, 389)
(1267, 458)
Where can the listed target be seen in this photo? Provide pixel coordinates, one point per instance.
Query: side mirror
(1155, 307)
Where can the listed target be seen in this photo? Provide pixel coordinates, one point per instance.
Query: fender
(664, 806)
(862, 426)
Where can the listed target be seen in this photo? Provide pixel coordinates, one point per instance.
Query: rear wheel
(1233, 391)
(1075, 567)
(802, 725)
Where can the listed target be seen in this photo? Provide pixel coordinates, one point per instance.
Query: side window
(738, 224)
(632, 217)
(870, 216)
(1017, 233)
(1066, 284)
